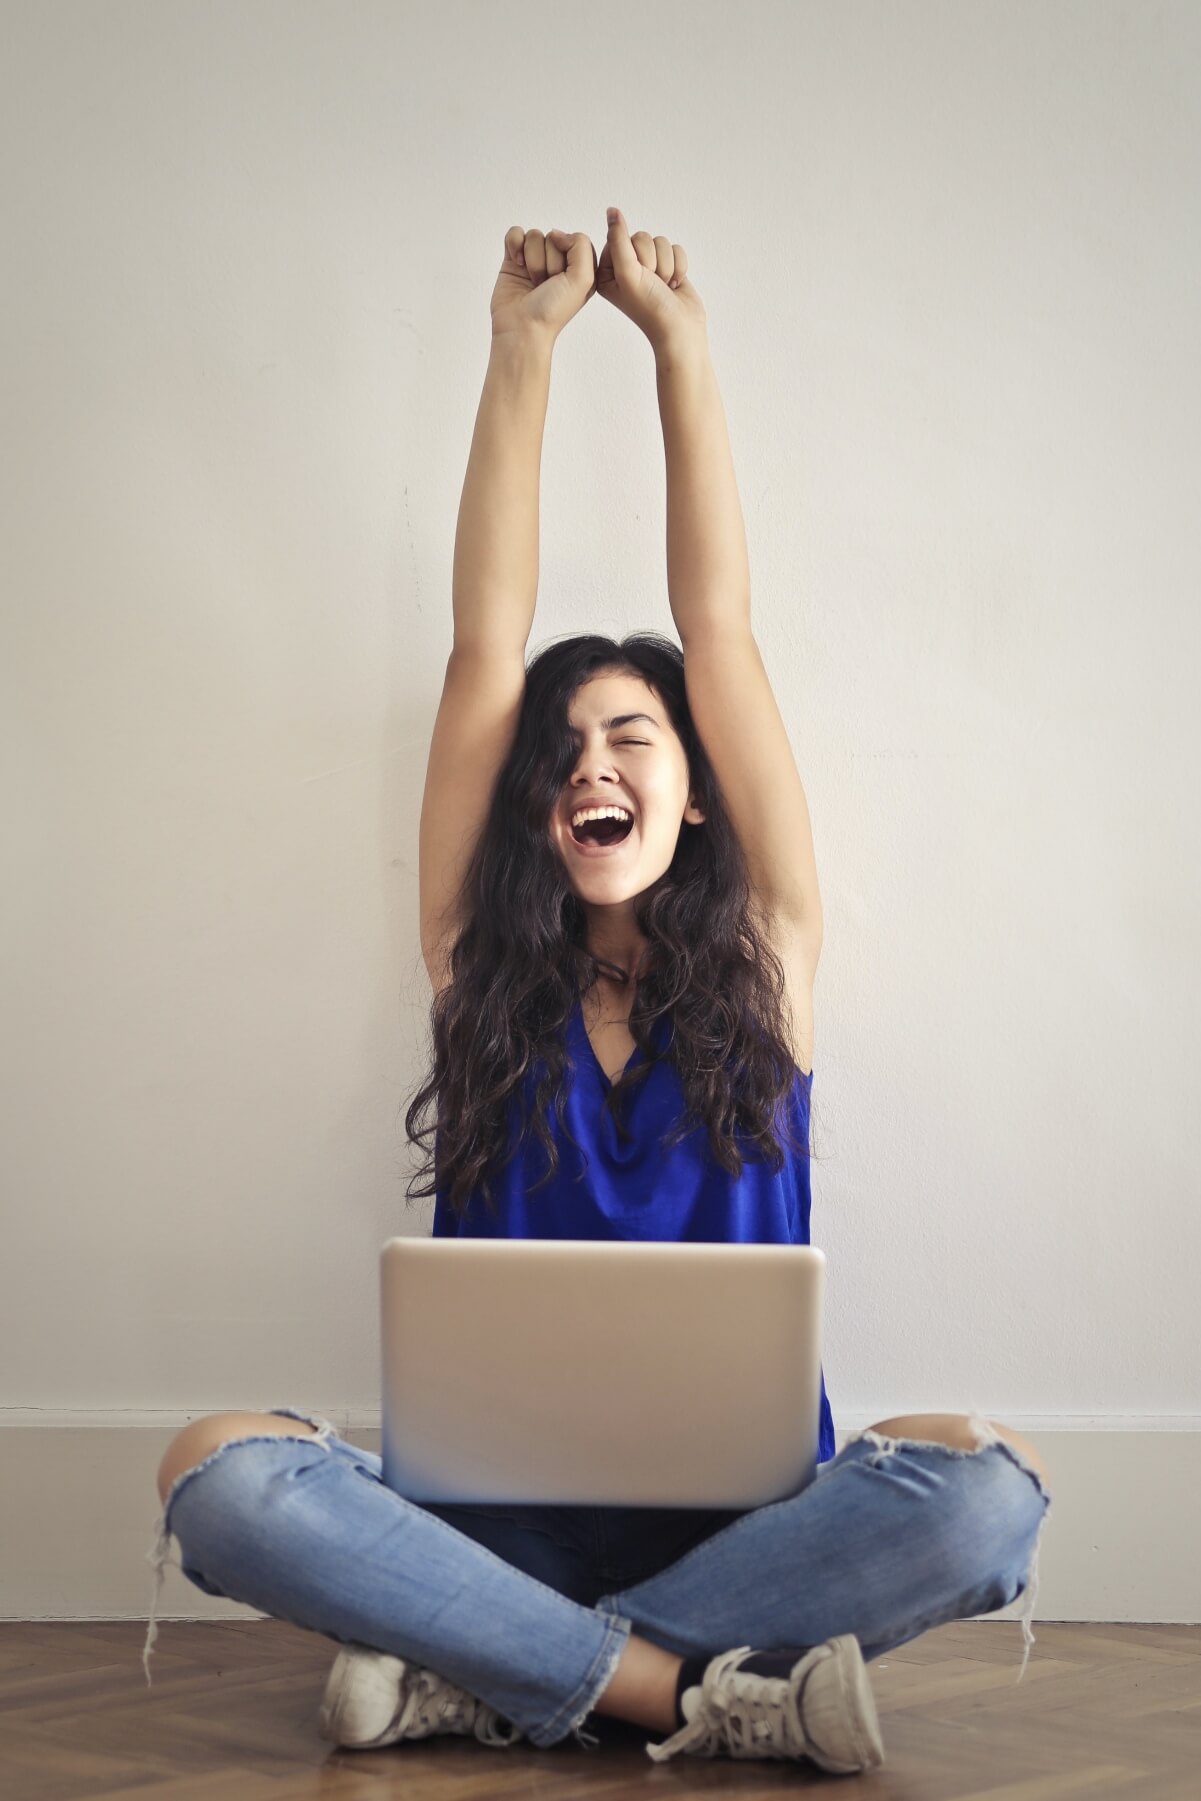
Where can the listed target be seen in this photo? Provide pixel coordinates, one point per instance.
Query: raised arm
(542, 283)
(495, 578)
(709, 585)
(729, 694)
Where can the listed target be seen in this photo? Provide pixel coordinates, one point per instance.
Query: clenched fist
(544, 281)
(647, 279)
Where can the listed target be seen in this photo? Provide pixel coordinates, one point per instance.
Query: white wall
(951, 269)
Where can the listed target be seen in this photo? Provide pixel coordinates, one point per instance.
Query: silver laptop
(593, 1373)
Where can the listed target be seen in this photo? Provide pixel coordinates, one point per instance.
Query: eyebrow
(609, 725)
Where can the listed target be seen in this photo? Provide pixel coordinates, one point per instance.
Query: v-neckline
(598, 1065)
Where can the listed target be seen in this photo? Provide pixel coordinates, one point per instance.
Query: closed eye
(643, 741)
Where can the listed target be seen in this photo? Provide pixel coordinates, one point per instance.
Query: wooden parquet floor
(1103, 1711)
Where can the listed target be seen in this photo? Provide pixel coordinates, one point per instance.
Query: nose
(592, 771)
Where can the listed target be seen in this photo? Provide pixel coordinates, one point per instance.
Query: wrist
(688, 350)
(523, 344)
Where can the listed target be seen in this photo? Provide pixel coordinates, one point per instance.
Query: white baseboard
(78, 1507)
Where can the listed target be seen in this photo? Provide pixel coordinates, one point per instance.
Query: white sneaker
(373, 1699)
(822, 1707)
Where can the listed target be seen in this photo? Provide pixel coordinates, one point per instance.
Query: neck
(627, 953)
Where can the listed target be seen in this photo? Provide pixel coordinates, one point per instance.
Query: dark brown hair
(520, 961)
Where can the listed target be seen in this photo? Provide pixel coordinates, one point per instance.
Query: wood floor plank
(1110, 1711)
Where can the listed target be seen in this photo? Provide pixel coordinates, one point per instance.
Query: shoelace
(740, 1713)
(437, 1705)
(755, 1716)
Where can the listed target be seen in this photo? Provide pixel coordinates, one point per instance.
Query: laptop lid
(594, 1373)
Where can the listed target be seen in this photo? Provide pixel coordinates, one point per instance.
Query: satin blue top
(638, 1189)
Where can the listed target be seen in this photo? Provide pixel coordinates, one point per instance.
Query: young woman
(621, 922)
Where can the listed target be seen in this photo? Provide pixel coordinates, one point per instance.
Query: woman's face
(634, 763)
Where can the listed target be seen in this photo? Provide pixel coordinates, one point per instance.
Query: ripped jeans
(529, 1608)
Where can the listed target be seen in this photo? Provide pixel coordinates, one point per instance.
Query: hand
(543, 282)
(637, 274)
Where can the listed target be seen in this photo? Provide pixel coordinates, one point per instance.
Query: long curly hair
(520, 962)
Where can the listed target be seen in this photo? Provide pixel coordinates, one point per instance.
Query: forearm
(495, 579)
(708, 572)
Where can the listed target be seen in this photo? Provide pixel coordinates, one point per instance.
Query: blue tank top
(637, 1189)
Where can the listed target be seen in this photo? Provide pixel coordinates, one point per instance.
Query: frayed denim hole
(232, 1444)
(988, 1441)
(888, 1447)
(323, 1429)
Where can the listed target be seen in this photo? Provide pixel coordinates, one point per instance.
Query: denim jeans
(529, 1607)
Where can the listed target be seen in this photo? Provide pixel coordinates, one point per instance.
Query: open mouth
(601, 834)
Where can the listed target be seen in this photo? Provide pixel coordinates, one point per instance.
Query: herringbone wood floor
(1103, 1711)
